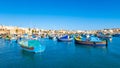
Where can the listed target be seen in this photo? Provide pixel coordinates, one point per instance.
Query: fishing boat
(93, 41)
(64, 38)
(7, 38)
(52, 37)
(104, 36)
(31, 46)
(0, 36)
(44, 36)
(14, 38)
(34, 37)
(116, 35)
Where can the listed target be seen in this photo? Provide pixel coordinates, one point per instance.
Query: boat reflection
(90, 46)
(110, 39)
(27, 54)
(87, 47)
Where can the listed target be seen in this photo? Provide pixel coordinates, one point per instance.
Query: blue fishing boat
(104, 36)
(25, 36)
(32, 46)
(116, 35)
(34, 37)
(65, 38)
(93, 41)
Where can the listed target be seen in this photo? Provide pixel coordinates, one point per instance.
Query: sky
(61, 14)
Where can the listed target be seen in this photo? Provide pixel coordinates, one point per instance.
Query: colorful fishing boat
(32, 46)
(65, 38)
(93, 41)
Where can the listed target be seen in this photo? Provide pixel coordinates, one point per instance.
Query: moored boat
(0, 36)
(14, 38)
(116, 35)
(7, 38)
(32, 46)
(34, 37)
(93, 41)
(104, 36)
(65, 38)
(52, 36)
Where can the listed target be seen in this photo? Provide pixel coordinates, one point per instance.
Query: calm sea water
(60, 55)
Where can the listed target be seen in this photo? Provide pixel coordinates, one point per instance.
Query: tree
(16, 31)
(33, 31)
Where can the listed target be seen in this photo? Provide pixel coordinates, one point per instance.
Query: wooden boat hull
(29, 48)
(103, 43)
(33, 49)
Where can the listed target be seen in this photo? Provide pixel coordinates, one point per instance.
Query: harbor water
(60, 55)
